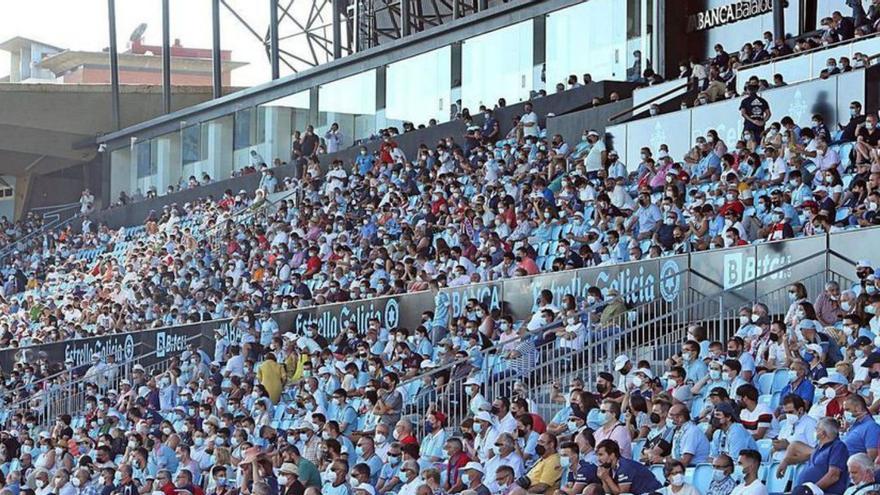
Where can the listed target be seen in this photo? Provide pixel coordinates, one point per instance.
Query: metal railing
(654, 333)
(53, 221)
(64, 394)
(603, 337)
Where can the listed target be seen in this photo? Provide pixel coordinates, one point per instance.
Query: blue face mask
(739, 474)
(593, 420)
(718, 474)
(807, 357)
(465, 479)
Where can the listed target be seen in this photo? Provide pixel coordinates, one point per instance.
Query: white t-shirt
(756, 488)
(801, 431)
(529, 118)
(593, 162)
(686, 489)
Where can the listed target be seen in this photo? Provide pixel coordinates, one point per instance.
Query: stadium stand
(761, 380)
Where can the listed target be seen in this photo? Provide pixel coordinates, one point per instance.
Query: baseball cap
(476, 466)
(833, 378)
(620, 362)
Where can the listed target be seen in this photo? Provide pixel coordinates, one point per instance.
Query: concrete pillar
(278, 132)
(219, 163)
(168, 161)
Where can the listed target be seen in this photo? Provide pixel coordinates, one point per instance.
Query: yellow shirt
(547, 471)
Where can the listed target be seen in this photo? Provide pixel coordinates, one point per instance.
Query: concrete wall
(572, 125)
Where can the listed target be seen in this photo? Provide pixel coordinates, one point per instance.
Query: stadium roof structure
(48, 127)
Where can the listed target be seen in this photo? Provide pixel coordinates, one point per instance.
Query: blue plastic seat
(765, 447)
(657, 470)
(637, 447)
(765, 383)
(775, 484)
(702, 477)
(780, 380)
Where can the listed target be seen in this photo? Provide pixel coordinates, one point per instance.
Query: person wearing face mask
(826, 467)
(689, 443)
(673, 470)
(755, 112)
(722, 476)
(288, 480)
(862, 432)
(729, 437)
(778, 226)
(796, 438)
(646, 220)
(611, 428)
(658, 442)
(745, 474)
(621, 475)
(577, 473)
(503, 454)
(835, 391)
(597, 156)
(799, 384)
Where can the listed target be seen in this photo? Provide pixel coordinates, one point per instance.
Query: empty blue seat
(765, 383)
(637, 447)
(657, 470)
(765, 447)
(780, 380)
(776, 484)
(702, 477)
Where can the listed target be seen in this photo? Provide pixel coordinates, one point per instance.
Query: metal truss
(306, 27)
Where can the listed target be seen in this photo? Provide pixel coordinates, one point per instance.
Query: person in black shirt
(309, 142)
(844, 28)
(780, 48)
(568, 256)
(755, 111)
(760, 52)
(856, 119)
(867, 137)
(126, 485)
(721, 57)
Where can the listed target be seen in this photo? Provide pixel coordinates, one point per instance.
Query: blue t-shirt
(690, 439)
(805, 390)
(641, 478)
(441, 310)
(833, 453)
(862, 435)
(731, 442)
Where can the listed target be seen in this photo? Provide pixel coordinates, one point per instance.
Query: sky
(82, 25)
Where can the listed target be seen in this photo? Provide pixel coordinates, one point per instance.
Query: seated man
(622, 475)
(827, 465)
(795, 441)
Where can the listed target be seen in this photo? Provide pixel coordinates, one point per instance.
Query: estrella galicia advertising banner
(156, 345)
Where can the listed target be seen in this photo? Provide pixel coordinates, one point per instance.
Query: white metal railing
(65, 394)
(655, 332)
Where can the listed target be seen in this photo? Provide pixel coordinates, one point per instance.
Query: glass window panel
(192, 143)
(601, 50)
(143, 154)
(418, 89)
(497, 65)
(351, 103)
(241, 137)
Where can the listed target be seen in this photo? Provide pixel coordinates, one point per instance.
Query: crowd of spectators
(789, 396)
